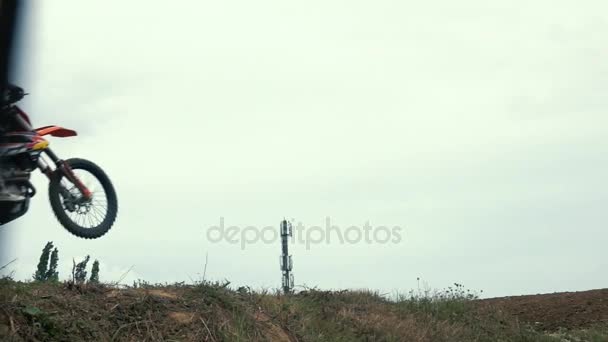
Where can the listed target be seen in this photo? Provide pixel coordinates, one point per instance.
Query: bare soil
(570, 310)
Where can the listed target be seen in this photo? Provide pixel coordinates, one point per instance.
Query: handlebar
(12, 94)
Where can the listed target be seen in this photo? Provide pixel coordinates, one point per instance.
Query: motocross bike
(81, 195)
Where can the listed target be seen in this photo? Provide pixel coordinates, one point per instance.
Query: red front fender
(55, 131)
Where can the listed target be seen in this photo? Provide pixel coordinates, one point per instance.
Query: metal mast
(286, 260)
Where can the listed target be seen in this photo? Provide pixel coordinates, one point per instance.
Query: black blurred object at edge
(9, 14)
(8, 23)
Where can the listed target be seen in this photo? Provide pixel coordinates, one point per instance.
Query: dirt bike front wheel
(84, 217)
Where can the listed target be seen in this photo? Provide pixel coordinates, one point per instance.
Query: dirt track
(552, 311)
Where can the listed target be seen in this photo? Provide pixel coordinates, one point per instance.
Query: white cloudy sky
(479, 128)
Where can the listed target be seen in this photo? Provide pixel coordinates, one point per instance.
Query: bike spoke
(102, 214)
(91, 222)
(94, 213)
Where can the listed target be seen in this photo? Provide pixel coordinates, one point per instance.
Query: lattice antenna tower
(286, 260)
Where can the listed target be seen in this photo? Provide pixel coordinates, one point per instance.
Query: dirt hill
(571, 310)
(214, 312)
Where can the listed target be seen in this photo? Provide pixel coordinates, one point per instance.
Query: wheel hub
(74, 202)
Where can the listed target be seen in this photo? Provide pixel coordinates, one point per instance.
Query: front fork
(65, 169)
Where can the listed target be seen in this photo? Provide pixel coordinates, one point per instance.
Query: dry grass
(215, 312)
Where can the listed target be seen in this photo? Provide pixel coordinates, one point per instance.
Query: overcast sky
(479, 129)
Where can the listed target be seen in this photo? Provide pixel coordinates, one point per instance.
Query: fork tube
(67, 171)
(52, 155)
(45, 168)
